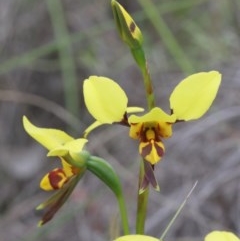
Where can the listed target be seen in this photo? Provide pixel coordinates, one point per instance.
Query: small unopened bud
(128, 30)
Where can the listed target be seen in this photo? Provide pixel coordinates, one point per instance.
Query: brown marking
(159, 149)
(55, 177)
(146, 150)
(132, 27)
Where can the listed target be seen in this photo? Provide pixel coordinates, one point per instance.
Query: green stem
(167, 36)
(143, 197)
(142, 204)
(124, 216)
(105, 172)
(148, 87)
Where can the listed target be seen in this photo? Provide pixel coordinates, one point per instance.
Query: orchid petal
(193, 96)
(105, 100)
(74, 146)
(155, 115)
(134, 110)
(93, 126)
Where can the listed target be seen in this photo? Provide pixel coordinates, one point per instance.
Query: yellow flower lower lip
(54, 180)
(151, 151)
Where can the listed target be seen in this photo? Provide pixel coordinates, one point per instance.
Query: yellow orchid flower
(107, 103)
(59, 144)
(63, 179)
(136, 237)
(191, 98)
(149, 129)
(221, 236)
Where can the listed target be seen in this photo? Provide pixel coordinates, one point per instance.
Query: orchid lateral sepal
(49, 138)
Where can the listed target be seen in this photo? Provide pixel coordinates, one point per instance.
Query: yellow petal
(134, 110)
(193, 96)
(105, 99)
(68, 169)
(135, 129)
(69, 147)
(136, 237)
(221, 236)
(49, 138)
(155, 115)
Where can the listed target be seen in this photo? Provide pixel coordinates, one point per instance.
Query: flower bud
(128, 30)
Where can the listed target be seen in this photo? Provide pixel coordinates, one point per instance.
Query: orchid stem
(148, 87)
(143, 197)
(142, 204)
(124, 216)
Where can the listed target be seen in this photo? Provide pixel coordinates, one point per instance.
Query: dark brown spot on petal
(132, 27)
(146, 150)
(159, 149)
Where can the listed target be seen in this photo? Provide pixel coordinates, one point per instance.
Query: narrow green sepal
(104, 171)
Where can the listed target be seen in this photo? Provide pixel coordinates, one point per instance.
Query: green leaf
(104, 171)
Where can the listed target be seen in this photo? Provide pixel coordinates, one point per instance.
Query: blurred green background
(47, 49)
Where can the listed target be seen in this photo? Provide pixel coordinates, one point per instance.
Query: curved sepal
(71, 152)
(49, 138)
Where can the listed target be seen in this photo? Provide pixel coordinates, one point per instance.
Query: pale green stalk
(143, 197)
(56, 12)
(124, 216)
(142, 204)
(167, 37)
(178, 212)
